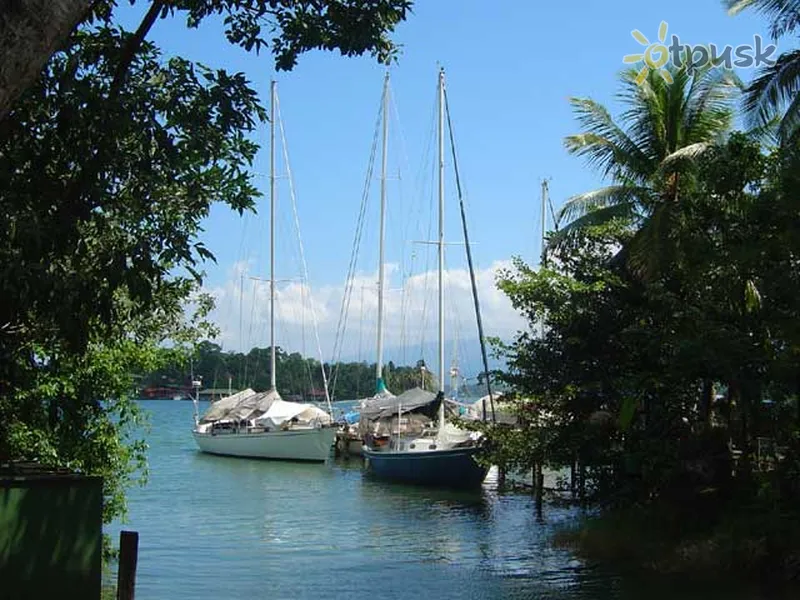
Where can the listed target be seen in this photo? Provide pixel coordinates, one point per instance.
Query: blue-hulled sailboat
(407, 438)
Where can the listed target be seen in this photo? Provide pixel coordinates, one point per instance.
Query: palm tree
(646, 155)
(772, 96)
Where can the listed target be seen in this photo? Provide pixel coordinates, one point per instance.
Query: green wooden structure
(50, 533)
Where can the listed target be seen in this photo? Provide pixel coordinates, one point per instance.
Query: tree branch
(132, 46)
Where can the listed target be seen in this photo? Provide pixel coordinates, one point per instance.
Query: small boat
(262, 425)
(348, 439)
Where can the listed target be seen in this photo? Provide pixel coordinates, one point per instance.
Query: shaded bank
(740, 546)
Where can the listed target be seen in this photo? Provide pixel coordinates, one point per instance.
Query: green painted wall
(50, 536)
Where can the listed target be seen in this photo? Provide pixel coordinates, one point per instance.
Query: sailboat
(419, 450)
(263, 425)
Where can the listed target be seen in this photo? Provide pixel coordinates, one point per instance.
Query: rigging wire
(341, 326)
(475, 298)
(427, 289)
(250, 332)
(400, 209)
(407, 270)
(302, 253)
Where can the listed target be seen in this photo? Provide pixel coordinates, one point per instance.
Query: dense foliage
(296, 376)
(662, 356)
(108, 165)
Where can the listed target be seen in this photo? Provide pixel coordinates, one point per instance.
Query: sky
(511, 67)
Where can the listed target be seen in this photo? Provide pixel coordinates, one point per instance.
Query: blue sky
(511, 67)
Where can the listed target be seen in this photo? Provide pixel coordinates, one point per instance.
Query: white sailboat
(262, 425)
(416, 450)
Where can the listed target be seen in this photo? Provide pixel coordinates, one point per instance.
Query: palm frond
(709, 104)
(783, 14)
(600, 216)
(603, 143)
(766, 133)
(684, 156)
(774, 88)
(645, 117)
(582, 204)
(791, 119)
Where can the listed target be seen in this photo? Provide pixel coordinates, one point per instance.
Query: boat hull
(455, 468)
(312, 445)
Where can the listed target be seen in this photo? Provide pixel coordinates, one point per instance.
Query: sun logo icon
(655, 55)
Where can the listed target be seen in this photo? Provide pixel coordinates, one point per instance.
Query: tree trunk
(706, 400)
(797, 396)
(30, 32)
(743, 395)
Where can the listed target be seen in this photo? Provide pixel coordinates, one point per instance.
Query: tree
(645, 157)
(772, 97)
(108, 164)
(32, 30)
(618, 381)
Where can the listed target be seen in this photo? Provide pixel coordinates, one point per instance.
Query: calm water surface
(214, 527)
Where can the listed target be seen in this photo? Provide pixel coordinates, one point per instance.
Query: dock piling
(128, 556)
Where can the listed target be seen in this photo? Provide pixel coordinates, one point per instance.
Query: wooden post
(573, 484)
(128, 555)
(539, 477)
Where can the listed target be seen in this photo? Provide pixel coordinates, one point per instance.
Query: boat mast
(545, 198)
(543, 257)
(441, 248)
(272, 238)
(380, 386)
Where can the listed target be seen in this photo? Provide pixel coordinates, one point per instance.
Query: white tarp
(451, 435)
(281, 411)
(503, 411)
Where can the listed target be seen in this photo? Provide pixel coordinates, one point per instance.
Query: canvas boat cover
(410, 424)
(266, 408)
(381, 395)
(246, 404)
(415, 400)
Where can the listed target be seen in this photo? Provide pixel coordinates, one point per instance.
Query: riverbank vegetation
(296, 376)
(110, 159)
(662, 360)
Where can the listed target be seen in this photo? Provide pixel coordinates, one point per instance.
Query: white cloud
(411, 313)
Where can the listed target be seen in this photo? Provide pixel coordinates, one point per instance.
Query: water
(214, 527)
